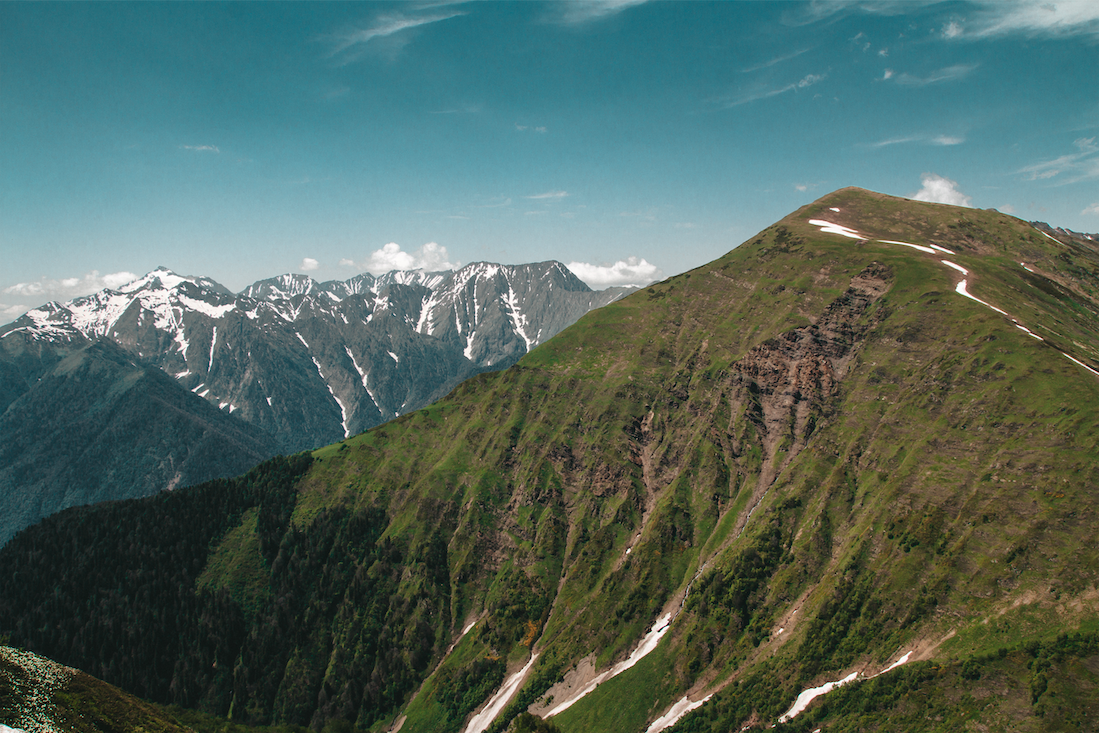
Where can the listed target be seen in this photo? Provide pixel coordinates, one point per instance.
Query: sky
(631, 140)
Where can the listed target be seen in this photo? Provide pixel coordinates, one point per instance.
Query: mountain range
(291, 363)
(842, 478)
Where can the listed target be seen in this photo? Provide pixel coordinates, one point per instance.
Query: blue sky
(631, 140)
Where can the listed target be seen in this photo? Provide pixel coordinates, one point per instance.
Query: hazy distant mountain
(312, 362)
(286, 365)
(97, 425)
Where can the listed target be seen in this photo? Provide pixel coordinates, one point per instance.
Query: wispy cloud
(764, 93)
(578, 12)
(347, 46)
(549, 195)
(774, 61)
(942, 140)
(201, 148)
(630, 271)
(985, 18)
(1034, 18)
(949, 73)
(532, 128)
(1093, 209)
(69, 287)
(1079, 166)
(939, 190)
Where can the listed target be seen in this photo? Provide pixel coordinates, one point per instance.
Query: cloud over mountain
(939, 190)
(631, 271)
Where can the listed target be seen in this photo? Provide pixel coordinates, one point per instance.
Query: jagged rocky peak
(283, 287)
(163, 278)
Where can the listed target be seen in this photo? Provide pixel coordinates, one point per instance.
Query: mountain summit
(842, 478)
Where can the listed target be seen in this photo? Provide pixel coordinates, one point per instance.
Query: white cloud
(939, 190)
(888, 74)
(947, 140)
(70, 287)
(11, 312)
(308, 264)
(631, 271)
(1006, 209)
(202, 148)
(1093, 209)
(430, 257)
(549, 195)
(800, 187)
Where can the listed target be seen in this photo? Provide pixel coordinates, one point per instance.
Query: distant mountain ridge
(311, 362)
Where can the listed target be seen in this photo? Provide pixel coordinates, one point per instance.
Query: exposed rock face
(785, 384)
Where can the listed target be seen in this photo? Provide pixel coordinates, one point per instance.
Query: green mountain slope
(813, 459)
(97, 425)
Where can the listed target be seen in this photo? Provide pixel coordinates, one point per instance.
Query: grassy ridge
(834, 441)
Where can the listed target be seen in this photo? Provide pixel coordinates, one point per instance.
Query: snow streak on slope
(961, 288)
(677, 711)
(213, 342)
(362, 375)
(648, 644)
(518, 320)
(482, 720)
(343, 409)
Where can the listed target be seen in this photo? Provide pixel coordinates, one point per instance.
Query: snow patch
(833, 208)
(1023, 265)
(827, 227)
(920, 247)
(959, 268)
(201, 306)
(396, 359)
(941, 249)
(808, 696)
(894, 665)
